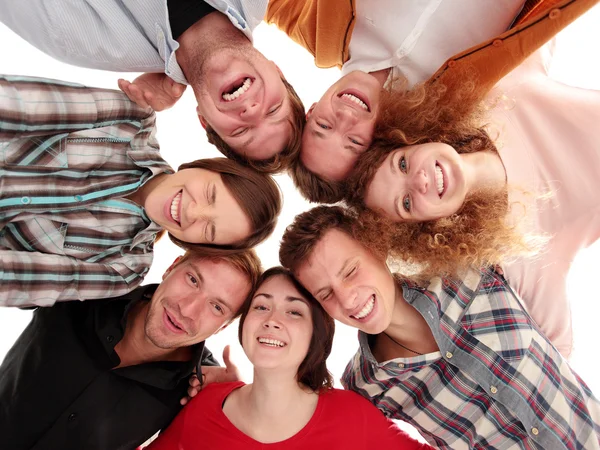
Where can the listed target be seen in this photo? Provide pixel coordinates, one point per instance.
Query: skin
(338, 130)
(199, 296)
(208, 211)
(343, 276)
(405, 186)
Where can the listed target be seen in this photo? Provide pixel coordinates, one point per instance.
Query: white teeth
(272, 342)
(239, 91)
(439, 179)
(175, 208)
(366, 309)
(356, 100)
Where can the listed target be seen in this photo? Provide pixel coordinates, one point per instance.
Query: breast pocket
(35, 235)
(36, 151)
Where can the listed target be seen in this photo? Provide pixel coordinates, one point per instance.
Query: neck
(484, 170)
(135, 347)
(140, 196)
(198, 42)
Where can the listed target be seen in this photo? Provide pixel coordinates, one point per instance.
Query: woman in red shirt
(291, 404)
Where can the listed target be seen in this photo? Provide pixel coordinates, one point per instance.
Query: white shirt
(415, 37)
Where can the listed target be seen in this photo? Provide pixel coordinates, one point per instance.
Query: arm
(32, 278)
(31, 106)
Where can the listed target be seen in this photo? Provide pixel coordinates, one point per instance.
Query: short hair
(257, 194)
(282, 160)
(308, 228)
(312, 372)
(246, 261)
(313, 187)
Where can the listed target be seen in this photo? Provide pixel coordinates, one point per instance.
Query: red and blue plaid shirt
(496, 383)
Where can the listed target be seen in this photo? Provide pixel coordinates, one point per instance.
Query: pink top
(549, 141)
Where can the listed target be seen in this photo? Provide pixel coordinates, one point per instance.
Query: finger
(227, 357)
(155, 102)
(184, 401)
(123, 84)
(194, 382)
(173, 88)
(137, 95)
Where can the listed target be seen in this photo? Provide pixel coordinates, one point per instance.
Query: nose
(190, 306)
(250, 110)
(419, 181)
(193, 212)
(271, 322)
(347, 297)
(346, 116)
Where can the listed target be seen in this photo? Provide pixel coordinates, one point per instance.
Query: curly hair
(282, 160)
(478, 233)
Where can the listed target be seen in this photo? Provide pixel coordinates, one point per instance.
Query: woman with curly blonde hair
(442, 195)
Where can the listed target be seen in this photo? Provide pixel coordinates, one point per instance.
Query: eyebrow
(217, 299)
(317, 133)
(352, 149)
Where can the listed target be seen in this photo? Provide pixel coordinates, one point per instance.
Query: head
(339, 127)
(199, 296)
(282, 326)
(216, 206)
(347, 275)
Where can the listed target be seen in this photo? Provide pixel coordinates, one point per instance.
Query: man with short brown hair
(108, 374)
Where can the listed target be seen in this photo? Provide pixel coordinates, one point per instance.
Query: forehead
(329, 255)
(219, 276)
(325, 156)
(269, 138)
(279, 287)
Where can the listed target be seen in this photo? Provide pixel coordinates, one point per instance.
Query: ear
(173, 264)
(310, 110)
(203, 121)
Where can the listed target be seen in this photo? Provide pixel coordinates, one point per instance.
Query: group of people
(448, 253)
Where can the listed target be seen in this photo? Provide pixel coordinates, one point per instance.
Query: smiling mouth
(366, 310)
(237, 89)
(356, 98)
(173, 322)
(439, 180)
(271, 342)
(176, 208)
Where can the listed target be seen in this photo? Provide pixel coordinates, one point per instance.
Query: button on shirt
(60, 388)
(122, 36)
(68, 157)
(496, 383)
(415, 37)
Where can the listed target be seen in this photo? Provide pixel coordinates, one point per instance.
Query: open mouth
(366, 310)
(173, 324)
(356, 98)
(439, 180)
(237, 89)
(271, 342)
(176, 208)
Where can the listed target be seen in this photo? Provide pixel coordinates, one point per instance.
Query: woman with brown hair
(445, 196)
(291, 404)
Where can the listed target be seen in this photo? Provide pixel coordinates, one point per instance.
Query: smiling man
(461, 360)
(248, 109)
(108, 374)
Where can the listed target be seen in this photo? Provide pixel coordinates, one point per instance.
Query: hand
(213, 374)
(156, 90)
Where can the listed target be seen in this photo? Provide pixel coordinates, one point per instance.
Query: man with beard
(108, 374)
(248, 109)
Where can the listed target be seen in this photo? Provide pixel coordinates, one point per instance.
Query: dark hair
(288, 154)
(313, 187)
(313, 371)
(308, 228)
(257, 194)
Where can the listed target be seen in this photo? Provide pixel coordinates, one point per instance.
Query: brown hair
(313, 371)
(245, 261)
(313, 187)
(288, 154)
(257, 194)
(478, 234)
(308, 228)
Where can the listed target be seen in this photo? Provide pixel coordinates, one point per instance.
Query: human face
(351, 284)
(245, 101)
(196, 298)
(195, 206)
(419, 183)
(339, 127)
(278, 328)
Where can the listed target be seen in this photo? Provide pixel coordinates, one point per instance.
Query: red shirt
(342, 419)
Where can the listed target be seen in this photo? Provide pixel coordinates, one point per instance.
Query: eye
(295, 313)
(218, 308)
(324, 126)
(406, 203)
(274, 109)
(193, 279)
(326, 296)
(239, 132)
(259, 308)
(351, 272)
(402, 164)
(355, 142)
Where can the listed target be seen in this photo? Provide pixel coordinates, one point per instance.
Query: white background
(182, 140)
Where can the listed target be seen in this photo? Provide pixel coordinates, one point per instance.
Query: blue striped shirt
(68, 157)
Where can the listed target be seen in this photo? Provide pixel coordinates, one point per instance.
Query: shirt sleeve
(33, 278)
(31, 106)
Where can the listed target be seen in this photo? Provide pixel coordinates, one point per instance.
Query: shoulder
(214, 393)
(346, 402)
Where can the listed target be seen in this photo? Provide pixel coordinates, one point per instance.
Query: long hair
(478, 234)
(256, 193)
(312, 372)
